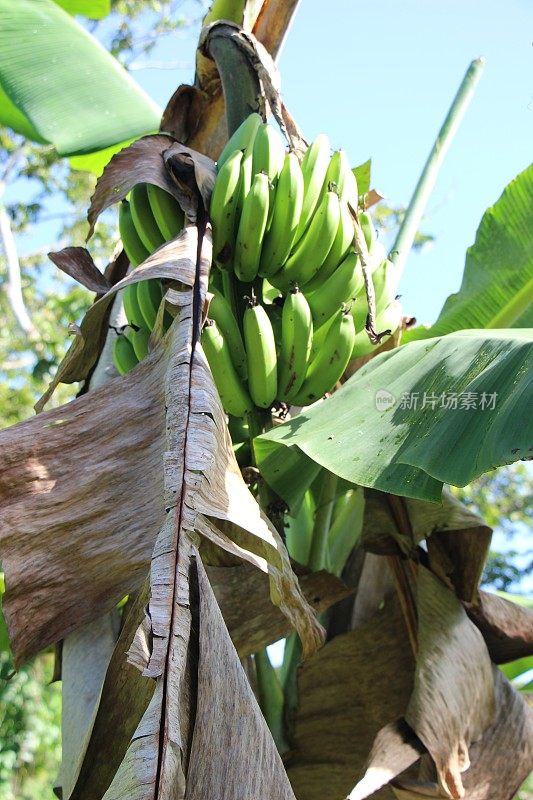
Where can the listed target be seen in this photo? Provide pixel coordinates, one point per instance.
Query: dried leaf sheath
(200, 475)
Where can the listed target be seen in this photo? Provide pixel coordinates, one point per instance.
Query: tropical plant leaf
(187, 742)
(93, 9)
(123, 699)
(62, 84)
(506, 627)
(497, 287)
(499, 762)
(356, 684)
(423, 521)
(97, 161)
(362, 176)
(82, 680)
(413, 451)
(456, 688)
(44, 507)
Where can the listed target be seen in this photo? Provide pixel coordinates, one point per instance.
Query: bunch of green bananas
(149, 218)
(283, 239)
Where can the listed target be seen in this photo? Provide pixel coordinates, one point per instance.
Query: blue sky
(379, 78)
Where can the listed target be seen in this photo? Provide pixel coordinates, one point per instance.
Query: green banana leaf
(362, 176)
(515, 669)
(497, 287)
(59, 85)
(95, 162)
(520, 599)
(93, 9)
(473, 397)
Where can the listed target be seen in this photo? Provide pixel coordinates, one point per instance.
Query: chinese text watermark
(451, 401)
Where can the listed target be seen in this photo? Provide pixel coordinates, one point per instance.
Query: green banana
(261, 353)
(286, 211)
(314, 167)
(241, 138)
(369, 232)
(311, 251)
(233, 396)
(131, 306)
(133, 247)
(166, 210)
(124, 357)
(268, 152)
(140, 340)
(385, 280)
(339, 250)
(334, 178)
(349, 191)
(345, 283)
(149, 296)
(295, 349)
(223, 209)
(359, 311)
(319, 337)
(252, 229)
(330, 362)
(389, 319)
(220, 311)
(247, 172)
(143, 218)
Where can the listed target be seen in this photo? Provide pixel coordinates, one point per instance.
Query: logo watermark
(451, 401)
(384, 400)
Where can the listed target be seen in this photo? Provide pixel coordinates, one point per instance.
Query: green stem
(417, 206)
(232, 10)
(240, 83)
(271, 700)
(318, 557)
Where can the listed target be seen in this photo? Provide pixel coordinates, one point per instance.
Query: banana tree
(131, 534)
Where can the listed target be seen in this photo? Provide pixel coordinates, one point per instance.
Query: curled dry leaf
(396, 747)
(499, 762)
(453, 699)
(147, 161)
(354, 686)
(83, 676)
(382, 534)
(183, 112)
(503, 759)
(506, 627)
(70, 478)
(252, 621)
(124, 697)
(77, 262)
(187, 742)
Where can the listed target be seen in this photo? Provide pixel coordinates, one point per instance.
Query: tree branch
(14, 282)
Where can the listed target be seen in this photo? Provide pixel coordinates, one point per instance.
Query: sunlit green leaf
(362, 176)
(473, 394)
(68, 90)
(93, 9)
(497, 287)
